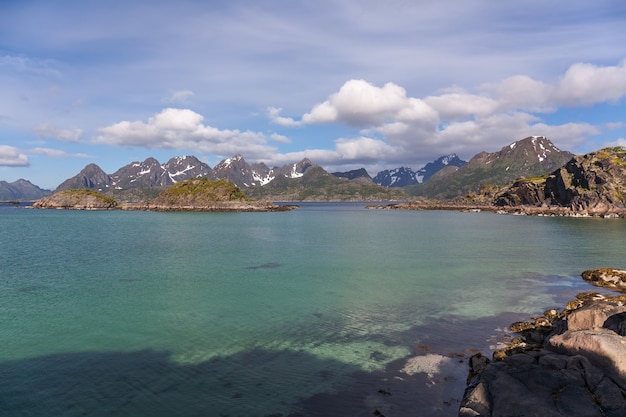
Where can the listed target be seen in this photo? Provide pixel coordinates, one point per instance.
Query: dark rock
(575, 367)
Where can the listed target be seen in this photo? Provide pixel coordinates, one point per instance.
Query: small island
(197, 194)
(85, 199)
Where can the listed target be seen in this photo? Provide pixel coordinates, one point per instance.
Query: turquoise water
(309, 312)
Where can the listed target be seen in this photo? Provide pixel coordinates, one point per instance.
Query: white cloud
(362, 104)
(363, 149)
(318, 156)
(453, 106)
(57, 153)
(12, 157)
(274, 115)
(397, 127)
(586, 84)
(66, 135)
(522, 92)
(183, 129)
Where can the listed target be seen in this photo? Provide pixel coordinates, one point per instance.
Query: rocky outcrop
(607, 277)
(595, 181)
(593, 184)
(523, 192)
(571, 363)
(78, 200)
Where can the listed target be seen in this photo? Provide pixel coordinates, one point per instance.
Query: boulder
(576, 369)
(606, 277)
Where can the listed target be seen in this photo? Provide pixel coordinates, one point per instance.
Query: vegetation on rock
(594, 183)
(200, 192)
(84, 199)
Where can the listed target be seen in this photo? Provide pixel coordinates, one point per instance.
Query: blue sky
(375, 84)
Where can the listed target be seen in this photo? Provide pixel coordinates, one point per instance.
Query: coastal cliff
(569, 363)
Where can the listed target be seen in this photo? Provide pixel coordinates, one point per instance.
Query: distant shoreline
(549, 211)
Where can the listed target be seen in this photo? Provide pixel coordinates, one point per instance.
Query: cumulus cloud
(363, 149)
(588, 84)
(183, 129)
(66, 135)
(394, 126)
(362, 104)
(461, 105)
(12, 157)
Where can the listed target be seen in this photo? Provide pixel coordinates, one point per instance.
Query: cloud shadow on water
(253, 383)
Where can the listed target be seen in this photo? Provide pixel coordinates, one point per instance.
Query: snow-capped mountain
(423, 174)
(398, 177)
(528, 157)
(244, 175)
(403, 176)
(151, 173)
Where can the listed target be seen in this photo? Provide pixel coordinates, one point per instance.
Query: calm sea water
(329, 310)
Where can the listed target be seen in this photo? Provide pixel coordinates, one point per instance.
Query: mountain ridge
(528, 157)
(21, 190)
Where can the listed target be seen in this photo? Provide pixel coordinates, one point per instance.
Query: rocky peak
(237, 171)
(397, 177)
(431, 168)
(148, 173)
(92, 176)
(20, 190)
(354, 174)
(182, 168)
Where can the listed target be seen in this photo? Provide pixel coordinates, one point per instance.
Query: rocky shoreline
(522, 210)
(569, 363)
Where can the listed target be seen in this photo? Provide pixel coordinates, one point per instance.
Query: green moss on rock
(83, 199)
(200, 191)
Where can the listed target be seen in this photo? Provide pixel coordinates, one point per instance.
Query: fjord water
(310, 312)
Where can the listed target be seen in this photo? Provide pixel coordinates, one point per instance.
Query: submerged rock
(571, 363)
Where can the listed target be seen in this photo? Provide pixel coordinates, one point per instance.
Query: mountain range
(445, 178)
(404, 176)
(529, 157)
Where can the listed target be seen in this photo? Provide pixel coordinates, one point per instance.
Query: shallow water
(310, 312)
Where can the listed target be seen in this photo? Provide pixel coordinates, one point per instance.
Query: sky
(346, 83)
